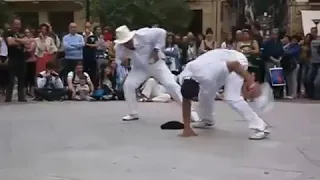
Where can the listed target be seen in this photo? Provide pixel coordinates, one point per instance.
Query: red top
(107, 36)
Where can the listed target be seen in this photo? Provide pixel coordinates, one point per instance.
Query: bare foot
(188, 133)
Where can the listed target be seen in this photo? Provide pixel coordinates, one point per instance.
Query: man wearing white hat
(144, 47)
(208, 73)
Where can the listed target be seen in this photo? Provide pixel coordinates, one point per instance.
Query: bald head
(72, 28)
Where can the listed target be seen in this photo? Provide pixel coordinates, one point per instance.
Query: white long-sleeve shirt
(211, 67)
(41, 81)
(145, 41)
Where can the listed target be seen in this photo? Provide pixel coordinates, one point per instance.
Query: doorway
(60, 21)
(196, 22)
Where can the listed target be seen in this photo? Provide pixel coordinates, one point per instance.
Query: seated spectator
(83, 90)
(49, 85)
(73, 80)
(152, 91)
(208, 43)
(111, 80)
(229, 43)
(106, 90)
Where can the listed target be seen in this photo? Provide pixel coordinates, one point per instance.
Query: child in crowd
(83, 90)
(106, 85)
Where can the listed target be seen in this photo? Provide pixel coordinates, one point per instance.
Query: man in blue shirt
(73, 44)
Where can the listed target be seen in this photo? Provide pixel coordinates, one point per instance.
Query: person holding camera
(49, 84)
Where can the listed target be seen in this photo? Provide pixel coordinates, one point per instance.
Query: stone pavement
(88, 141)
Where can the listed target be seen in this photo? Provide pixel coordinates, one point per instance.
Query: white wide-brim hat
(123, 34)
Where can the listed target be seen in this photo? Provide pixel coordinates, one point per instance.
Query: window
(60, 21)
(29, 19)
(196, 22)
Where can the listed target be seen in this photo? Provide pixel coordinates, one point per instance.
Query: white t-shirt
(76, 78)
(211, 68)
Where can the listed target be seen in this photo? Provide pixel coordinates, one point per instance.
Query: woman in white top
(45, 48)
(4, 73)
(229, 43)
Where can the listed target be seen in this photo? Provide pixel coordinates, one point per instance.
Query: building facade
(215, 14)
(58, 12)
(298, 22)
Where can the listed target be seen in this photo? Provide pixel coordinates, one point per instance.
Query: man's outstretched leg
(235, 100)
(134, 79)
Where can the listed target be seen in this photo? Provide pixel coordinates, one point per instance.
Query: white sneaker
(194, 117)
(130, 117)
(259, 135)
(203, 124)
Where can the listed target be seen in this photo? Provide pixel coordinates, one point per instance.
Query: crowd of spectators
(297, 56)
(82, 66)
(77, 66)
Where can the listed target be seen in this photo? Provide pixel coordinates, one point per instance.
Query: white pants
(232, 95)
(160, 72)
(155, 91)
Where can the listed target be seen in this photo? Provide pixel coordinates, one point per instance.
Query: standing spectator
(192, 50)
(54, 36)
(208, 43)
(45, 48)
(304, 63)
(60, 54)
(313, 81)
(16, 61)
(229, 43)
(4, 73)
(290, 66)
(101, 47)
(256, 35)
(271, 56)
(87, 31)
(314, 32)
(238, 36)
(31, 63)
(107, 34)
(73, 44)
(172, 53)
(89, 57)
(250, 48)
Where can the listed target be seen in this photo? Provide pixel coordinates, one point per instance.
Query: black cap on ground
(172, 125)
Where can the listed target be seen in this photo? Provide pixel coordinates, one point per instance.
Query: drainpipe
(87, 10)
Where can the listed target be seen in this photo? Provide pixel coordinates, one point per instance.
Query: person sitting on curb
(83, 90)
(73, 81)
(49, 85)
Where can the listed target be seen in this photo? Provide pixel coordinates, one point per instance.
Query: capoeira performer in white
(206, 75)
(144, 47)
